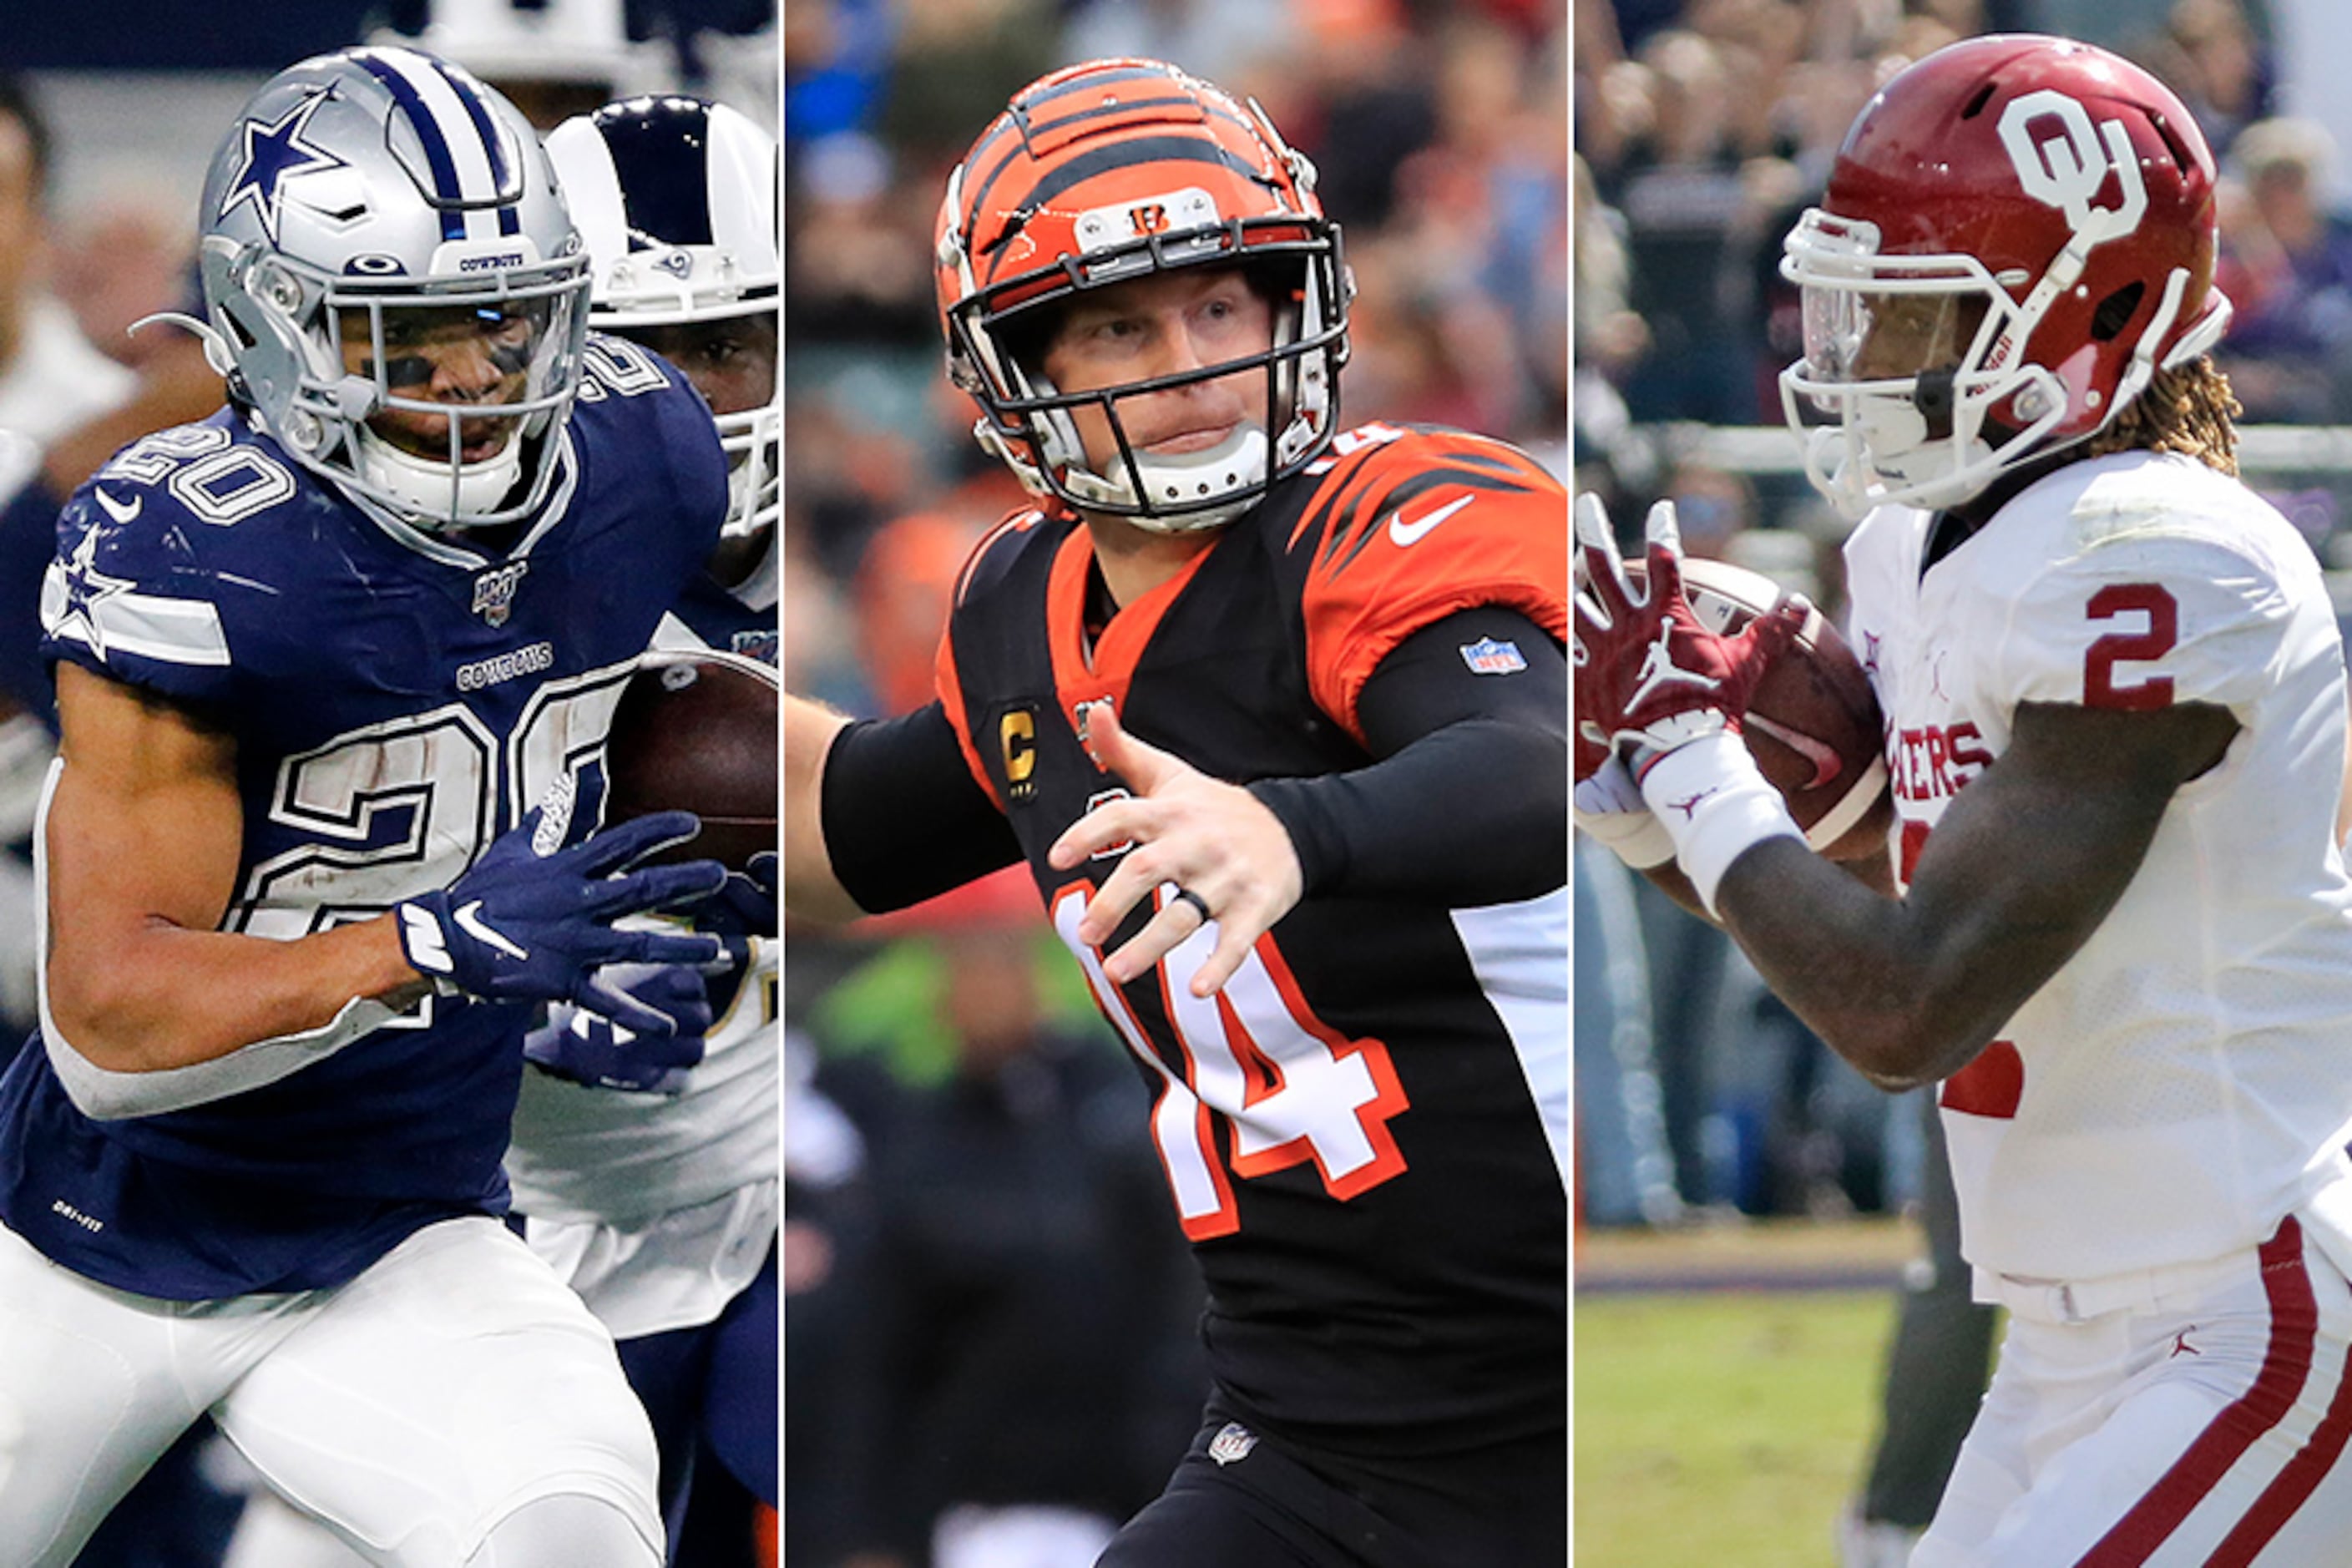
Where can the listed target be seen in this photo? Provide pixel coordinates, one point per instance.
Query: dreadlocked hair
(2188, 409)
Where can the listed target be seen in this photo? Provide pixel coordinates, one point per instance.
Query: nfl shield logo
(1232, 1442)
(494, 592)
(1490, 656)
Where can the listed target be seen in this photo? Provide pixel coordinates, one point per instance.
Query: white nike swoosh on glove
(469, 920)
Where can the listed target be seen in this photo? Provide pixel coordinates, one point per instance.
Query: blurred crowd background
(1702, 129)
(993, 1353)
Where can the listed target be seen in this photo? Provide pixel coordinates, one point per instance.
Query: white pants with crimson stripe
(2206, 1427)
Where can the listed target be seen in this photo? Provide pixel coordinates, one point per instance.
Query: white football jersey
(2185, 1079)
(659, 1208)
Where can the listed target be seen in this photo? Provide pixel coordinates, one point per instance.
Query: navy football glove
(588, 1048)
(744, 906)
(528, 924)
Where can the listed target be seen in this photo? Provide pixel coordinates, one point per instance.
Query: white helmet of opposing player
(677, 199)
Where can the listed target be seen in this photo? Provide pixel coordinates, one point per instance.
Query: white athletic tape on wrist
(1636, 837)
(1715, 803)
(1609, 808)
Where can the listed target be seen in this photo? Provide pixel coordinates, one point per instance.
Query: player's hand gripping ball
(1650, 677)
(1811, 721)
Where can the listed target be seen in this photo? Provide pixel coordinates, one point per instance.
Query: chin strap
(431, 492)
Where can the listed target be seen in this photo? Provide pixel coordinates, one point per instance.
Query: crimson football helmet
(2018, 232)
(1114, 170)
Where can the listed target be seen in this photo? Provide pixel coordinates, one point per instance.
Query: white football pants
(2204, 1423)
(452, 1385)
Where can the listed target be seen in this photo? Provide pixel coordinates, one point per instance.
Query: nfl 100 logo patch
(1492, 656)
(494, 591)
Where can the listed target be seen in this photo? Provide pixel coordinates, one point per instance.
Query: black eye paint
(402, 370)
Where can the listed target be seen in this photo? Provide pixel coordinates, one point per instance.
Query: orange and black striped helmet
(1106, 172)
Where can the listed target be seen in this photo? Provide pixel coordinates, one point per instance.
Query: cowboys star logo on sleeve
(271, 154)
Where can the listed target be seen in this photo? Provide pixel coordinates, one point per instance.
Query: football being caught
(695, 730)
(1813, 725)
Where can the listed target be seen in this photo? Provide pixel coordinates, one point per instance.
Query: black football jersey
(1364, 1132)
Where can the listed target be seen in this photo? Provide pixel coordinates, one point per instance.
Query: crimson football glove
(589, 1049)
(1650, 675)
(532, 923)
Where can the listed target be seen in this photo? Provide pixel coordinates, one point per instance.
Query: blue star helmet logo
(272, 154)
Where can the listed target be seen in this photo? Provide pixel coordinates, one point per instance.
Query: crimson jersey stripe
(2294, 1326)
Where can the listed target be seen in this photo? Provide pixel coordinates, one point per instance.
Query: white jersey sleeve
(2140, 622)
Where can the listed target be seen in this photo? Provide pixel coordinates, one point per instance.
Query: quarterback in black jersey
(1276, 716)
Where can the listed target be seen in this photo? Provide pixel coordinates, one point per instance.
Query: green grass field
(1722, 1427)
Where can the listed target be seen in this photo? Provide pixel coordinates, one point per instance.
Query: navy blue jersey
(720, 620)
(397, 700)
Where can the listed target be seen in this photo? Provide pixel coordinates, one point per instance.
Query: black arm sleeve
(1468, 802)
(903, 817)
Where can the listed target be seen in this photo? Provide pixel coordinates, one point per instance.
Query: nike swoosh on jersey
(1408, 533)
(115, 508)
(1824, 757)
(470, 919)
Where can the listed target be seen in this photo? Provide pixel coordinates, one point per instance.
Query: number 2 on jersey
(2154, 600)
(1290, 1088)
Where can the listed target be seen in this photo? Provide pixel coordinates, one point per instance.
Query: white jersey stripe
(1517, 951)
(171, 631)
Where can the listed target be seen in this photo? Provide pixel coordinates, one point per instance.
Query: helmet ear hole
(2116, 311)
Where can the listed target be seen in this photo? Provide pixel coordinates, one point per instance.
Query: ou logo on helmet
(2066, 167)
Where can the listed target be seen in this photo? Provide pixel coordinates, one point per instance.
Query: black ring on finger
(1186, 896)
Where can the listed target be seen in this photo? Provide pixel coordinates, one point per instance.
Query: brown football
(695, 730)
(1813, 725)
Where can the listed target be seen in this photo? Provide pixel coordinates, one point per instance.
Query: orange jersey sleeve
(1410, 526)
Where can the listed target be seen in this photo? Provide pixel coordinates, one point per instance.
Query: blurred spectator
(903, 585)
(2286, 264)
(1624, 1167)
(51, 378)
(1021, 1371)
(2210, 54)
(1232, 42)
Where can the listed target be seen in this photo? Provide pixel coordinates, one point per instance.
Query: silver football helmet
(677, 200)
(399, 292)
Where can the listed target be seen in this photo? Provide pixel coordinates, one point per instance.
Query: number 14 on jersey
(1288, 1088)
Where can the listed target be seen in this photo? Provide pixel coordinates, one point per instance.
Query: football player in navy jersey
(651, 1178)
(1277, 715)
(333, 667)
